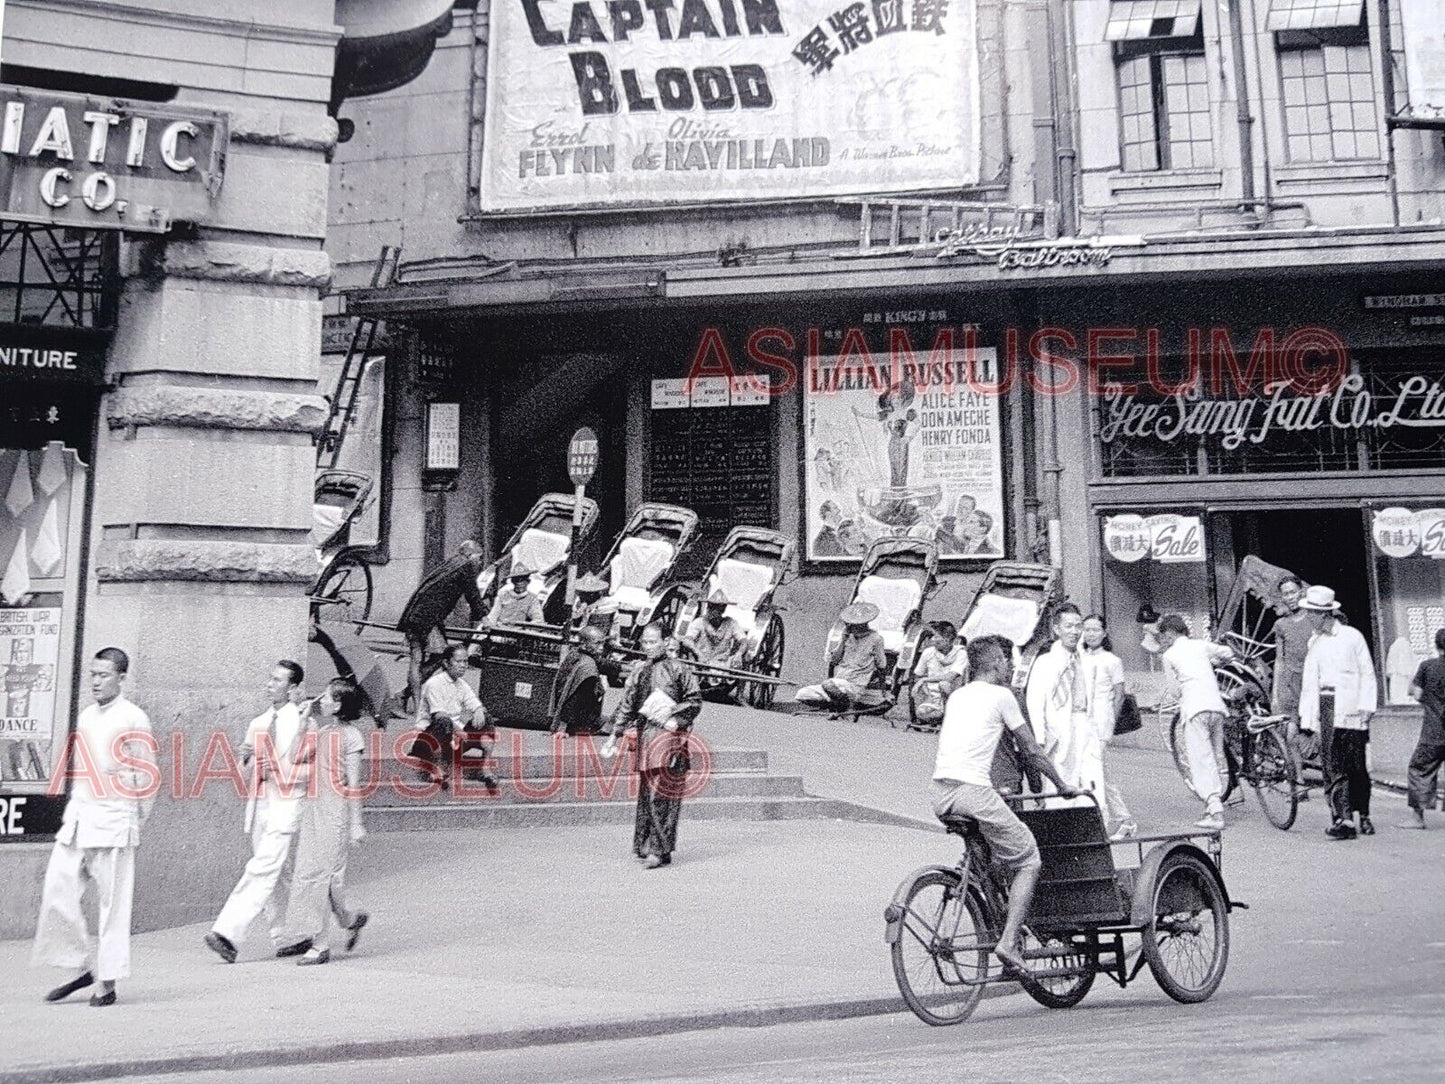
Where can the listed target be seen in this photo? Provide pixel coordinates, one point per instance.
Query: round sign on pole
(582, 456)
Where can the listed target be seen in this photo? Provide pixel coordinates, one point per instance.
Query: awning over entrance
(387, 43)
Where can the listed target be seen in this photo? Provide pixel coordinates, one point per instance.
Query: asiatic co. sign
(104, 163)
(1167, 538)
(1403, 532)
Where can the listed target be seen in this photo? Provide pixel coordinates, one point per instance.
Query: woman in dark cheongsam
(659, 704)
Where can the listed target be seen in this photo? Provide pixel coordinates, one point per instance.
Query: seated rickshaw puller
(716, 640)
(516, 605)
(942, 668)
(450, 717)
(857, 661)
(575, 702)
(433, 601)
(975, 718)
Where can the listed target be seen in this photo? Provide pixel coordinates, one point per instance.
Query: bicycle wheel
(347, 580)
(1058, 991)
(1274, 774)
(1187, 939)
(1228, 766)
(944, 927)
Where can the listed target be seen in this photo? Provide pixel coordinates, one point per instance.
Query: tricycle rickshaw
(943, 922)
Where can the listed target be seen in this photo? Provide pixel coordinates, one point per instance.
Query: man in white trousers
(114, 777)
(275, 740)
(1058, 706)
(1189, 678)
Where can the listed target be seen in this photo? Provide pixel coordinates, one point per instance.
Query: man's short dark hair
(984, 651)
(1061, 609)
(1174, 623)
(298, 675)
(944, 628)
(116, 657)
(1440, 639)
(452, 649)
(1289, 579)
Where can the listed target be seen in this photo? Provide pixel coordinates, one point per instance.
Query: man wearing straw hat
(857, 660)
(516, 605)
(715, 639)
(1338, 694)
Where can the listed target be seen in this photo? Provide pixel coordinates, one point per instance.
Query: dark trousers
(1347, 782)
(1424, 768)
(659, 804)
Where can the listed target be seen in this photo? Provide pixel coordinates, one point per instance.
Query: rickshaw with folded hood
(897, 577)
(745, 573)
(542, 543)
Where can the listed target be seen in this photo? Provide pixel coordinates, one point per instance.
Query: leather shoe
(293, 950)
(314, 957)
(652, 861)
(221, 947)
(1340, 830)
(1367, 826)
(354, 930)
(100, 1001)
(64, 990)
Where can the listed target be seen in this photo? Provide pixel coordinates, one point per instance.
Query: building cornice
(147, 15)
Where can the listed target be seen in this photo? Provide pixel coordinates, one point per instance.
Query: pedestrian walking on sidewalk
(1189, 678)
(274, 752)
(1428, 688)
(1104, 692)
(330, 825)
(1058, 706)
(659, 704)
(113, 780)
(1338, 694)
(432, 603)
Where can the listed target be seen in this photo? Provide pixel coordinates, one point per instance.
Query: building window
(1326, 79)
(1164, 116)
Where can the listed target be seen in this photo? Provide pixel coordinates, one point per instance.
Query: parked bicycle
(943, 923)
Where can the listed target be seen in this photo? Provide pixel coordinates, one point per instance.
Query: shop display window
(1408, 557)
(1155, 561)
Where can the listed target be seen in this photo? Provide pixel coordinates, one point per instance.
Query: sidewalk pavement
(501, 939)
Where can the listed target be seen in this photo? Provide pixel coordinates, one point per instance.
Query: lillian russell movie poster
(904, 449)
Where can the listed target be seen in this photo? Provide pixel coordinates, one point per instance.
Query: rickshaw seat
(326, 520)
(897, 600)
(744, 582)
(541, 550)
(639, 562)
(1077, 881)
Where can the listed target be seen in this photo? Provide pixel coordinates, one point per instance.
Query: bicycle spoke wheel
(1187, 939)
(1274, 775)
(1057, 990)
(939, 948)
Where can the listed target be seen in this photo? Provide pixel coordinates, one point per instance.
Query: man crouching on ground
(973, 721)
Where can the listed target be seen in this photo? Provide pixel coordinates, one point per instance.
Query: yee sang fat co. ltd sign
(626, 102)
(102, 163)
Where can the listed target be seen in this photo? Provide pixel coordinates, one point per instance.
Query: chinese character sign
(1168, 538)
(593, 103)
(903, 450)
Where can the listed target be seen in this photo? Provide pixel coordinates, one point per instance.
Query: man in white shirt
(974, 719)
(113, 783)
(1189, 677)
(1338, 694)
(274, 743)
(1058, 704)
(449, 716)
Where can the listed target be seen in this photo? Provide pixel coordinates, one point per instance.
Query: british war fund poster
(29, 648)
(620, 102)
(903, 450)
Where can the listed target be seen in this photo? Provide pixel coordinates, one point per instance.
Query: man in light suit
(1057, 702)
(114, 780)
(275, 741)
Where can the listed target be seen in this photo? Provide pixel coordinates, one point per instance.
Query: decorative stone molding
(206, 408)
(225, 261)
(210, 562)
(300, 131)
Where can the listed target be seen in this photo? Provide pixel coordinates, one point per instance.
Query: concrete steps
(554, 781)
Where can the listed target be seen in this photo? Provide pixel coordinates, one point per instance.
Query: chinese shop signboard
(103, 163)
(1401, 532)
(1167, 538)
(626, 102)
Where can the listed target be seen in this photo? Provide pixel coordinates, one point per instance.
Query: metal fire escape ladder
(348, 381)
